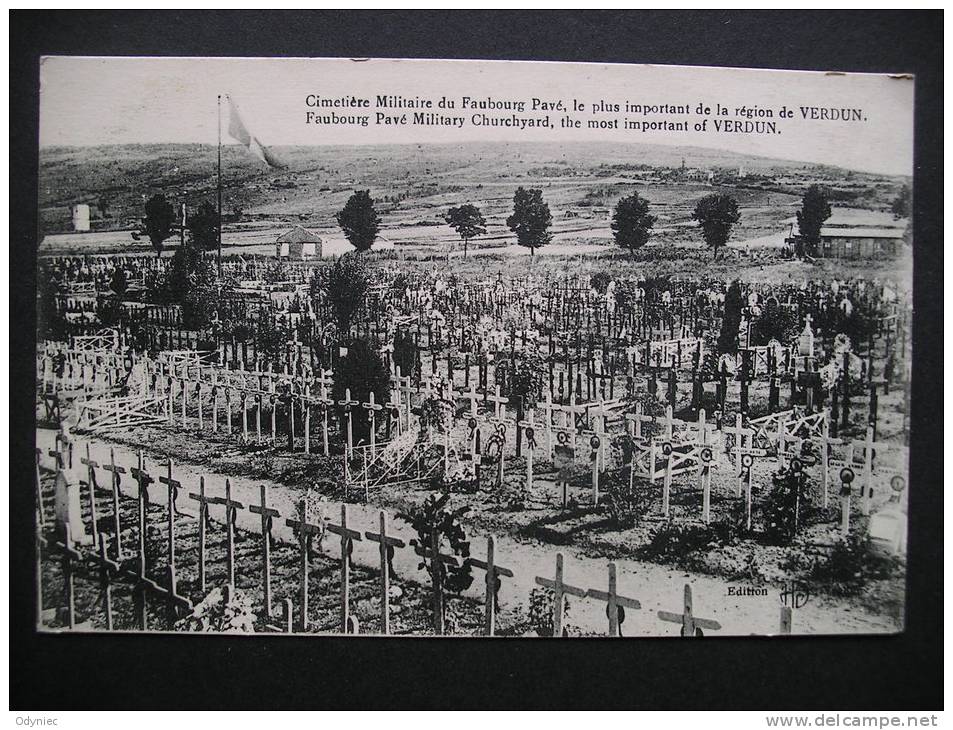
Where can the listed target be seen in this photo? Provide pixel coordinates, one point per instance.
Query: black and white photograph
(474, 360)
(471, 349)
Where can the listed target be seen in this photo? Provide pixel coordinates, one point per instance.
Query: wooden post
(559, 589)
(203, 523)
(231, 512)
(347, 547)
(267, 516)
(691, 625)
(70, 553)
(615, 604)
(173, 487)
(305, 532)
(786, 619)
(387, 545)
(493, 583)
(115, 470)
(108, 568)
(144, 480)
(91, 480)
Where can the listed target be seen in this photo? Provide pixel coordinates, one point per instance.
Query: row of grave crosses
(113, 563)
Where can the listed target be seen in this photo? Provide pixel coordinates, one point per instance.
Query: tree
(900, 206)
(468, 222)
(345, 288)
(775, 323)
(731, 320)
(203, 227)
(716, 214)
(119, 282)
(530, 220)
(815, 209)
(359, 220)
(160, 216)
(362, 372)
(632, 223)
(187, 270)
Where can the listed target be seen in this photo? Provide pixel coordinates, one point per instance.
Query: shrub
(600, 281)
(541, 602)
(674, 543)
(198, 307)
(438, 526)
(775, 323)
(215, 614)
(622, 501)
(785, 508)
(363, 372)
(852, 565)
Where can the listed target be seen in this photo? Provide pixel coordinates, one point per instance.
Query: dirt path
(655, 586)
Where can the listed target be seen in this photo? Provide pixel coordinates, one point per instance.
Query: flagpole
(220, 185)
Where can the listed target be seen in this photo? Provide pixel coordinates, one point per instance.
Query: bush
(435, 522)
(852, 565)
(775, 323)
(674, 543)
(108, 310)
(345, 287)
(363, 372)
(272, 337)
(623, 502)
(731, 320)
(541, 603)
(198, 307)
(785, 508)
(600, 281)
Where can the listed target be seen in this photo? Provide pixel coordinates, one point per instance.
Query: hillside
(115, 179)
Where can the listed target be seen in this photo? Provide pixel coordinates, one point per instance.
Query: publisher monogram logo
(795, 594)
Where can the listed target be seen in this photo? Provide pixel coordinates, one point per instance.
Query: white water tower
(81, 217)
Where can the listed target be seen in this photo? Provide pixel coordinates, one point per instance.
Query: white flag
(239, 132)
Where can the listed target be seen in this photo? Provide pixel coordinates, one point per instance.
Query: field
(415, 185)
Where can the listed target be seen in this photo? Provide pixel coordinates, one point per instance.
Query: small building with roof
(298, 244)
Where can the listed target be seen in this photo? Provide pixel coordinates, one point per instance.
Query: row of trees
(631, 224)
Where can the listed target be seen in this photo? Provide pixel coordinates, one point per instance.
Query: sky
(95, 101)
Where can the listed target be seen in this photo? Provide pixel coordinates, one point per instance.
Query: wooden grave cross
(438, 560)
(735, 444)
(231, 512)
(371, 407)
(348, 536)
(115, 471)
(691, 625)
(305, 532)
(173, 486)
(615, 604)
(493, 583)
(530, 429)
(745, 459)
(267, 518)
(143, 479)
(559, 589)
(91, 465)
(706, 460)
(108, 569)
(387, 545)
(70, 553)
(204, 520)
(348, 403)
(499, 403)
